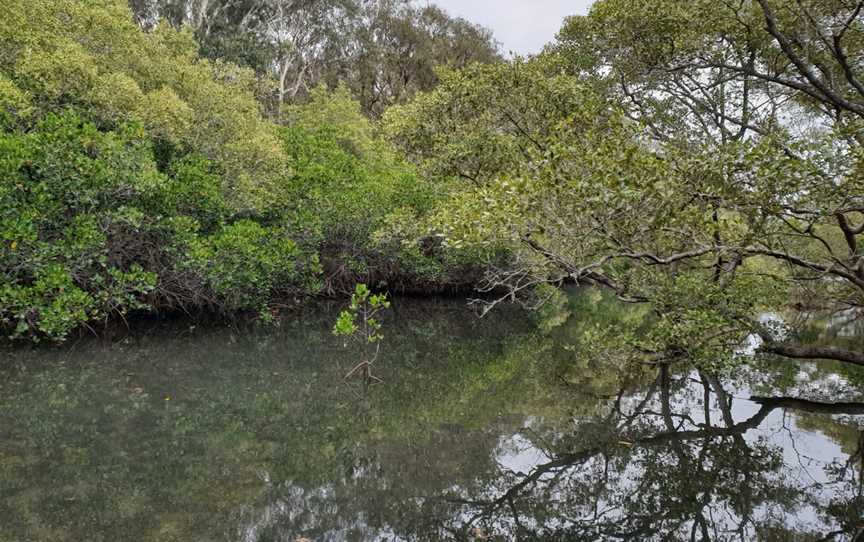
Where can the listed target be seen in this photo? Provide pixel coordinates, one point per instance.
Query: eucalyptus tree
(224, 29)
(288, 39)
(384, 50)
(398, 46)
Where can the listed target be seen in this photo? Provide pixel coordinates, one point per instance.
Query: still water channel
(492, 429)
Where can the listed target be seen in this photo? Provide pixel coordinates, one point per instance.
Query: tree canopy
(136, 175)
(702, 157)
(383, 50)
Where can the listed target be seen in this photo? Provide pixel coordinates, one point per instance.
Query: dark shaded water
(483, 430)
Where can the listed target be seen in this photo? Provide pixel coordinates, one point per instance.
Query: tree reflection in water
(683, 458)
(659, 466)
(485, 429)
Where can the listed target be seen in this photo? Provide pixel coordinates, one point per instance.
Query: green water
(482, 430)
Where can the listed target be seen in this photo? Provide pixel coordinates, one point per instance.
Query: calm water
(482, 430)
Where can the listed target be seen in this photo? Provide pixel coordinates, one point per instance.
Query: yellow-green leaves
(92, 55)
(14, 103)
(64, 71)
(117, 98)
(167, 116)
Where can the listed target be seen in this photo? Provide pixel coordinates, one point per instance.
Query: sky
(522, 26)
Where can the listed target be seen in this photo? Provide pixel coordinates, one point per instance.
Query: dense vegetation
(138, 175)
(703, 159)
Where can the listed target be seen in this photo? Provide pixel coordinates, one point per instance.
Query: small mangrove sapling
(359, 323)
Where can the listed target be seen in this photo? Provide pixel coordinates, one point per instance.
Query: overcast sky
(522, 26)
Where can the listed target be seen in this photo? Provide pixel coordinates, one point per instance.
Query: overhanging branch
(814, 352)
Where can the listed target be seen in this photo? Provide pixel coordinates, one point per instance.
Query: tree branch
(800, 262)
(813, 352)
(827, 93)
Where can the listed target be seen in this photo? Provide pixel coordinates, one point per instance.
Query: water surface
(482, 430)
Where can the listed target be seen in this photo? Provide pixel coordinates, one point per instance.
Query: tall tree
(384, 50)
(399, 47)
